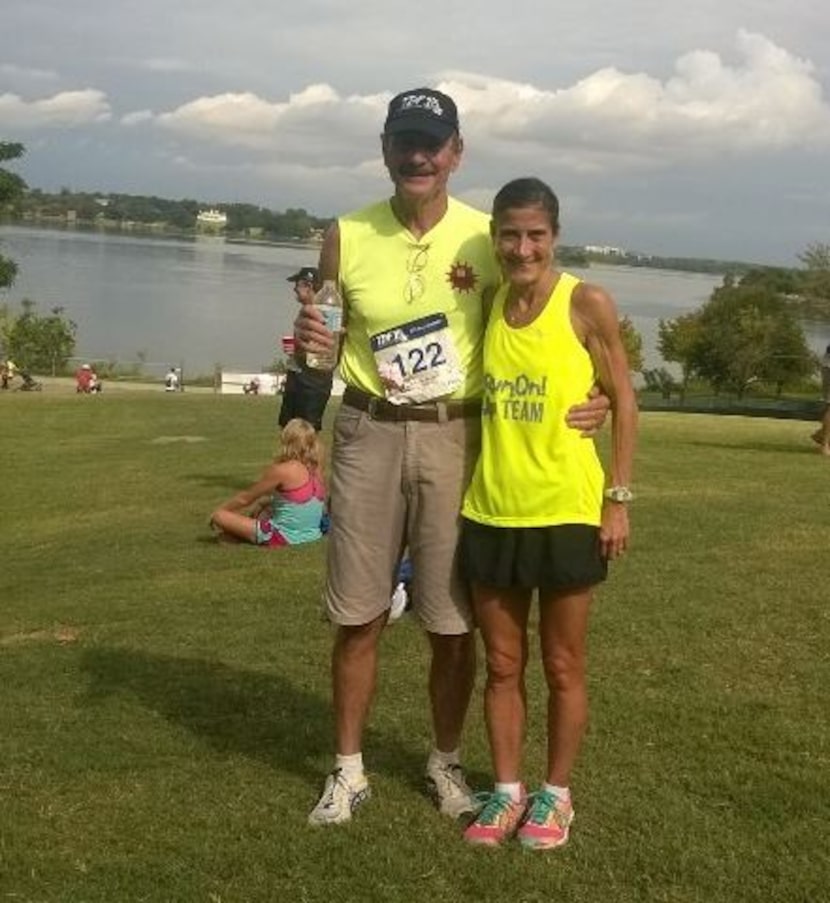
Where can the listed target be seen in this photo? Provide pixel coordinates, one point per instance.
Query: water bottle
(330, 305)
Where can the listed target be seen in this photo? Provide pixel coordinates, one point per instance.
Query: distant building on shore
(211, 220)
(605, 250)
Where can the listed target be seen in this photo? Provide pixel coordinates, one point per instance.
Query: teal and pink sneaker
(497, 821)
(548, 821)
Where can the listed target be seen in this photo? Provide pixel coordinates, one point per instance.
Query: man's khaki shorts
(397, 486)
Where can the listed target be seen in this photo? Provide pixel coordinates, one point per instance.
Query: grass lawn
(165, 702)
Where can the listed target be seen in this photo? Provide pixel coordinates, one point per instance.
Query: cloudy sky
(669, 127)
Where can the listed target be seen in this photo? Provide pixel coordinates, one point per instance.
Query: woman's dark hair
(527, 192)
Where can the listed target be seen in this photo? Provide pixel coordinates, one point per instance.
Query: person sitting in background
(171, 380)
(83, 377)
(86, 380)
(285, 507)
(95, 384)
(252, 387)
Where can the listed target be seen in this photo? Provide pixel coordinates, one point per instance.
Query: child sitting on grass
(286, 505)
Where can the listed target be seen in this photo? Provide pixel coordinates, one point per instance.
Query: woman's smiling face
(524, 241)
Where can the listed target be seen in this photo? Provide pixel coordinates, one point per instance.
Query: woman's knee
(506, 665)
(564, 668)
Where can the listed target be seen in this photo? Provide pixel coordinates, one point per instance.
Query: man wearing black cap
(306, 391)
(414, 271)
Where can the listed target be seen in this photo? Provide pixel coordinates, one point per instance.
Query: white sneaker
(449, 791)
(398, 603)
(339, 800)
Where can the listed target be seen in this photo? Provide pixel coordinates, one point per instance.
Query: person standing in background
(306, 391)
(822, 434)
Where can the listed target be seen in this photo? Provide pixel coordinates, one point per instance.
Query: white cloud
(66, 109)
(314, 125)
(766, 101)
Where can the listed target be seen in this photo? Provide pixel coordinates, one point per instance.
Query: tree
(676, 342)
(816, 278)
(660, 380)
(816, 256)
(748, 333)
(633, 344)
(784, 281)
(40, 343)
(11, 189)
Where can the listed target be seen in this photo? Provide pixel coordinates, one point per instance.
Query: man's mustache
(408, 169)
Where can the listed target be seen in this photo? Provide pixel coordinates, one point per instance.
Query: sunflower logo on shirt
(462, 277)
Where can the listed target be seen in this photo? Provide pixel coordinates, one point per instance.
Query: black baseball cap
(304, 274)
(422, 110)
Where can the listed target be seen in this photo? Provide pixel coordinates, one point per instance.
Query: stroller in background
(29, 383)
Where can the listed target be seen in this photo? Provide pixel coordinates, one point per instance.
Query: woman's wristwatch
(620, 494)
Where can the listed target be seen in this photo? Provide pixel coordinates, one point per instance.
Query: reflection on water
(205, 301)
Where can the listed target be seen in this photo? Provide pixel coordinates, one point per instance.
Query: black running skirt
(562, 557)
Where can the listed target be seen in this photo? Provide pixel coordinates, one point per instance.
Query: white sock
(442, 759)
(513, 788)
(562, 793)
(351, 766)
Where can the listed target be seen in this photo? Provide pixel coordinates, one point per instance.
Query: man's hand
(310, 335)
(589, 417)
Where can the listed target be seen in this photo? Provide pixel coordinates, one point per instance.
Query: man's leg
(364, 547)
(451, 679)
(311, 406)
(354, 663)
(445, 455)
(289, 399)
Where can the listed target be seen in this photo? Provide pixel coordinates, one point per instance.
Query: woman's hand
(614, 530)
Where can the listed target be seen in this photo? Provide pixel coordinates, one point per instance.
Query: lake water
(203, 302)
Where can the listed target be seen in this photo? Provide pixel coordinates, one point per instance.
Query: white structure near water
(212, 219)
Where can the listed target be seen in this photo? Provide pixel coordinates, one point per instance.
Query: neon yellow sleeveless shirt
(389, 277)
(534, 470)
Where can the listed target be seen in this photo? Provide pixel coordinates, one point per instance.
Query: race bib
(417, 361)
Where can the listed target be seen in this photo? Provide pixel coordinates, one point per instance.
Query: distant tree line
(113, 210)
(684, 264)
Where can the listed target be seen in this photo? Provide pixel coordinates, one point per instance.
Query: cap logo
(421, 102)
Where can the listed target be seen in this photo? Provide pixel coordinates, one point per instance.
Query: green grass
(165, 701)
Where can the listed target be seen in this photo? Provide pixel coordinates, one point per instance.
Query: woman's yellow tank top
(534, 470)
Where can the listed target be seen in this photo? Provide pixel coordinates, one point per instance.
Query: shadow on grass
(218, 480)
(262, 716)
(789, 448)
